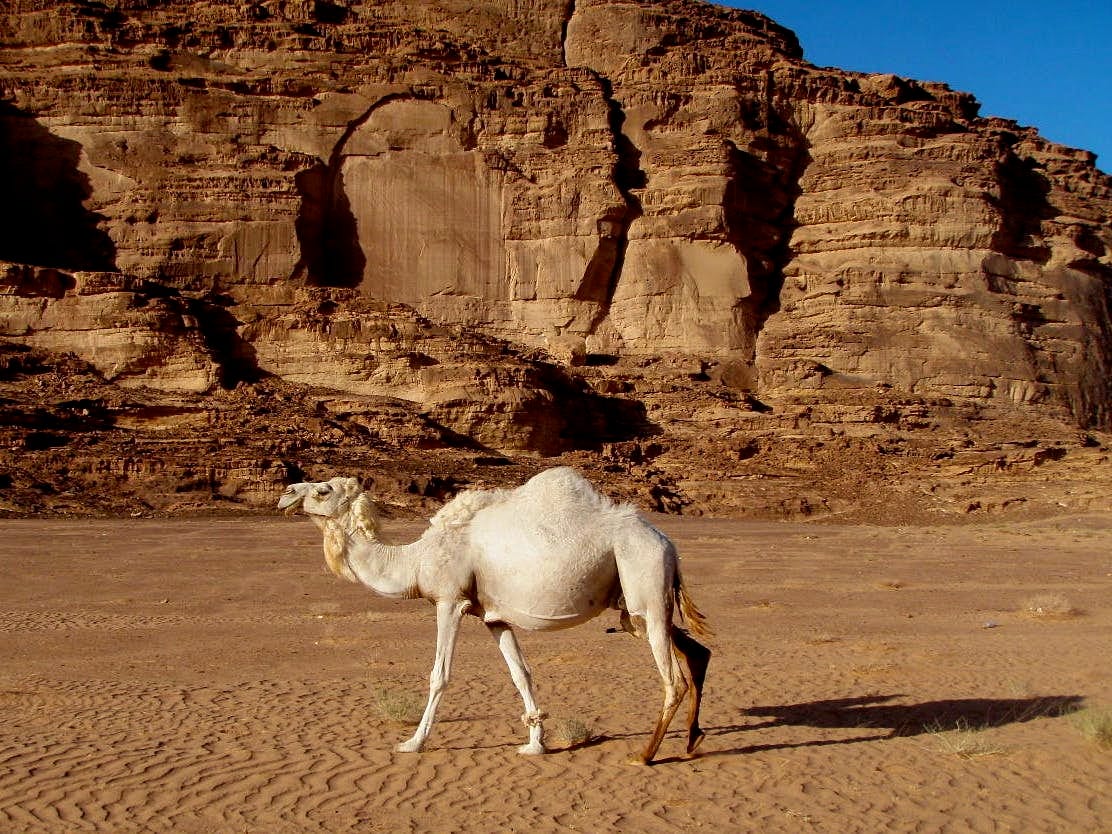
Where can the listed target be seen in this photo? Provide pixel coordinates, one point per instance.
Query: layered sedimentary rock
(133, 336)
(946, 255)
(451, 204)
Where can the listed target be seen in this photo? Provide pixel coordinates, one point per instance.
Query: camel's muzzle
(290, 500)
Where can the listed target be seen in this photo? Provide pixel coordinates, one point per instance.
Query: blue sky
(1047, 65)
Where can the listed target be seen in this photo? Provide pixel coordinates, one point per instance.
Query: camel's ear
(363, 515)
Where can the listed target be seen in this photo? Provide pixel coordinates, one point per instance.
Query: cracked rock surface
(458, 240)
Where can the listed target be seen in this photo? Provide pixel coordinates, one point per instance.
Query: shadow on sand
(874, 714)
(878, 718)
(887, 720)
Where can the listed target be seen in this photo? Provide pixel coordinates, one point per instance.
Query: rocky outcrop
(948, 256)
(131, 333)
(539, 227)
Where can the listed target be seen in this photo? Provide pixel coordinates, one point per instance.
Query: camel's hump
(462, 508)
(558, 482)
(553, 489)
(557, 497)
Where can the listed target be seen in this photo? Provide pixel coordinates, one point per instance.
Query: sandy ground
(210, 676)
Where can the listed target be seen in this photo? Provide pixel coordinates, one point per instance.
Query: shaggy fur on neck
(359, 520)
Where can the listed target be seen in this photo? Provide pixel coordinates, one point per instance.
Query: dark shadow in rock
(1023, 205)
(604, 270)
(759, 207)
(235, 357)
(331, 255)
(43, 218)
(591, 419)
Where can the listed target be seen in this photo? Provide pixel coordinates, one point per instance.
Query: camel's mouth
(290, 501)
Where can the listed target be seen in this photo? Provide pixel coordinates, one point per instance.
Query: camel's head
(341, 509)
(330, 499)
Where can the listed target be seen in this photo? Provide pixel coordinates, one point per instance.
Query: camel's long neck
(387, 570)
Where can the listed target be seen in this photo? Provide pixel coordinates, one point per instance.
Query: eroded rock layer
(541, 227)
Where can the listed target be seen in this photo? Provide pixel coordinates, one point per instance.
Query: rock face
(478, 209)
(950, 256)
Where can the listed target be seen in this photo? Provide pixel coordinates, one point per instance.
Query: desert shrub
(963, 739)
(1049, 607)
(399, 706)
(1095, 724)
(568, 732)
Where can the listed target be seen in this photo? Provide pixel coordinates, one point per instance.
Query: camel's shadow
(874, 713)
(888, 720)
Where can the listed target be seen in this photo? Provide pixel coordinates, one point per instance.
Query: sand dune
(210, 676)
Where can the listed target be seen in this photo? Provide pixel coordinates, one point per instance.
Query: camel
(551, 554)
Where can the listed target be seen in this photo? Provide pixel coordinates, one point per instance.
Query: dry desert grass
(1050, 606)
(1095, 724)
(565, 733)
(399, 706)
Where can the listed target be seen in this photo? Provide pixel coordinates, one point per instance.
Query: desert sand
(211, 676)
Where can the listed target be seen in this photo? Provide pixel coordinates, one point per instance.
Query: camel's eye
(323, 490)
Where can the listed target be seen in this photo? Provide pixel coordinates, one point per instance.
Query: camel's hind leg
(649, 582)
(675, 685)
(694, 657)
(523, 680)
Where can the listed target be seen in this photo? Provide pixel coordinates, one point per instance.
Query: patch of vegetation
(399, 706)
(1095, 724)
(1049, 607)
(568, 732)
(963, 739)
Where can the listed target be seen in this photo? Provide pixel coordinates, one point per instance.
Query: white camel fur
(551, 554)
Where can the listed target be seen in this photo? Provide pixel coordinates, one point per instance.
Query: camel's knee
(438, 682)
(533, 719)
(522, 676)
(674, 694)
(680, 689)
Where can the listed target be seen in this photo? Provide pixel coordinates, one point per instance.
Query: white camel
(551, 554)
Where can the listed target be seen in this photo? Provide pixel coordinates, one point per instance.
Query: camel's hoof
(410, 746)
(531, 749)
(694, 742)
(639, 761)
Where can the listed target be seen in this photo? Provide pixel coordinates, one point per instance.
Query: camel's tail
(692, 616)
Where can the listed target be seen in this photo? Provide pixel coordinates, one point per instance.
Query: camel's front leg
(448, 616)
(523, 680)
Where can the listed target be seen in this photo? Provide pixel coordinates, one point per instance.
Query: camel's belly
(540, 595)
(550, 572)
(538, 619)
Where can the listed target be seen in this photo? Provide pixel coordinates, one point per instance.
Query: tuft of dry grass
(1049, 607)
(963, 739)
(568, 732)
(1095, 724)
(399, 706)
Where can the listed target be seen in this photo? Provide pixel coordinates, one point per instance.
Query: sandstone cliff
(648, 234)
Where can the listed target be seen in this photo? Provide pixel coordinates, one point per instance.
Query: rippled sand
(210, 676)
